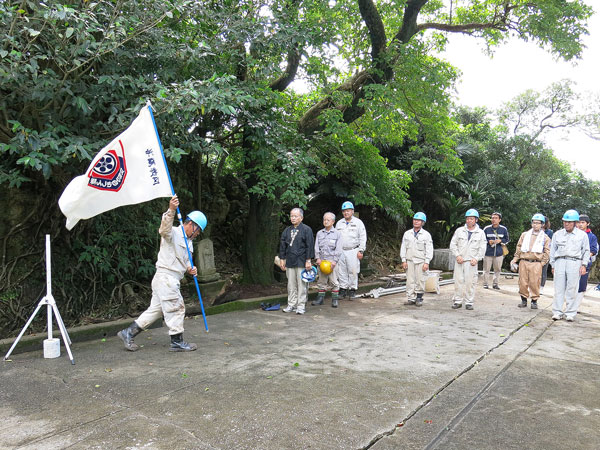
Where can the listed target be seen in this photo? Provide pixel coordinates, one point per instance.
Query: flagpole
(178, 215)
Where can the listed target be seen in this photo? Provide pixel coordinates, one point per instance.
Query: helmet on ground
(325, 267)
(309, 275)
(472, 213)
(539, 217)
(584, 217)
(198, 218)
(571, 216)
(347, 205)
(420, 216)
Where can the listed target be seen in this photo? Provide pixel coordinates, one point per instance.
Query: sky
(517, 66)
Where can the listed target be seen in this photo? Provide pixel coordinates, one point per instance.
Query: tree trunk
(260, 241)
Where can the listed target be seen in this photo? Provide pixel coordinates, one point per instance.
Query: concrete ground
(372, 373)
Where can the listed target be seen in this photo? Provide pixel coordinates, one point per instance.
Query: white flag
(129, 170)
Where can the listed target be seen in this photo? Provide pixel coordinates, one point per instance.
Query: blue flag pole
(179, 216)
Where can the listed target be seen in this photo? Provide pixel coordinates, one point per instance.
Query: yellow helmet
(325, 267)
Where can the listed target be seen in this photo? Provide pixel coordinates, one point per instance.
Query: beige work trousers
(166, 301)
(415, 280)
(530, 277)
(296, 288)
(488, 262)
(465, 281)
(328, 280)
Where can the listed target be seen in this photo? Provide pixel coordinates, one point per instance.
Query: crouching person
(416, 252)
(171, 265)
(532, 253)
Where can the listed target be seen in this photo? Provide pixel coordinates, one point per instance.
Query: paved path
(370, 374)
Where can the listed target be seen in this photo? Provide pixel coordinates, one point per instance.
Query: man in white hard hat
(171, 266)
(354, 243)
(532, 252)
(569, 257)
(416, 252)
(468, 247)
(296, 250)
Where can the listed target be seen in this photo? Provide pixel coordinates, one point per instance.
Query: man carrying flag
(132, 169)
(171, 265)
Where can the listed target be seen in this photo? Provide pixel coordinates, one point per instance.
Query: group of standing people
(338, 251)
(570, 251)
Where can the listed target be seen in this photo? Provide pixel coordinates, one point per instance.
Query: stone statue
(205, 262)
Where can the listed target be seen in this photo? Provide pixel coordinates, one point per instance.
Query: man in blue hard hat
(416, 252)
(497, 238)
(296, 250)
(171, 266)
(569, 257)
(468, 247)
(354, 243)
(532, 252)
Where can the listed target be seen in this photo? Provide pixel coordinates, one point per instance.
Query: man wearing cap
(468, 247)
(533, 251)
(569, 257)
(354, 243)
(584, 225)
(296, 249)
(497, 237)
(416, 252)
(171, 265)
(328, 248)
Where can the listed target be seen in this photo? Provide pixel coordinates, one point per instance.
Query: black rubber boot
(127, 336)
(179, 345)
(351, 294)
(419, 301)
(534, 304)
(343, 293)
(319, 300)
(523, 303)
(334, 299)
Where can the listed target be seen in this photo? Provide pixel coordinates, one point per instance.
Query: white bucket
(51, 348)
(432, 282)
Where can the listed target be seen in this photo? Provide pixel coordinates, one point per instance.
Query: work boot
(343, 293)
(179, 345)
(410, 302)
(469, 307)
(127, 336)
(523, 303)
(334, 299)
(351, 294)
(485, 286)
(495, 286)
(419, 301)
(456, 305)
(534, 304)
(319, 300)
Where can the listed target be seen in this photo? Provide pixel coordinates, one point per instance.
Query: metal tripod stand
(47, 300)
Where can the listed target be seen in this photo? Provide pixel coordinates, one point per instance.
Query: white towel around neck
(538, 245)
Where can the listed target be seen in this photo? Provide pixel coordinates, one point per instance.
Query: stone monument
(205, 262)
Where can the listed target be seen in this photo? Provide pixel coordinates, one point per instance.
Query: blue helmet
(472, 213)
(309, 275)
(571, 216)
(347, 205)
(539, 217)
(198, 218)
(420, 216)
